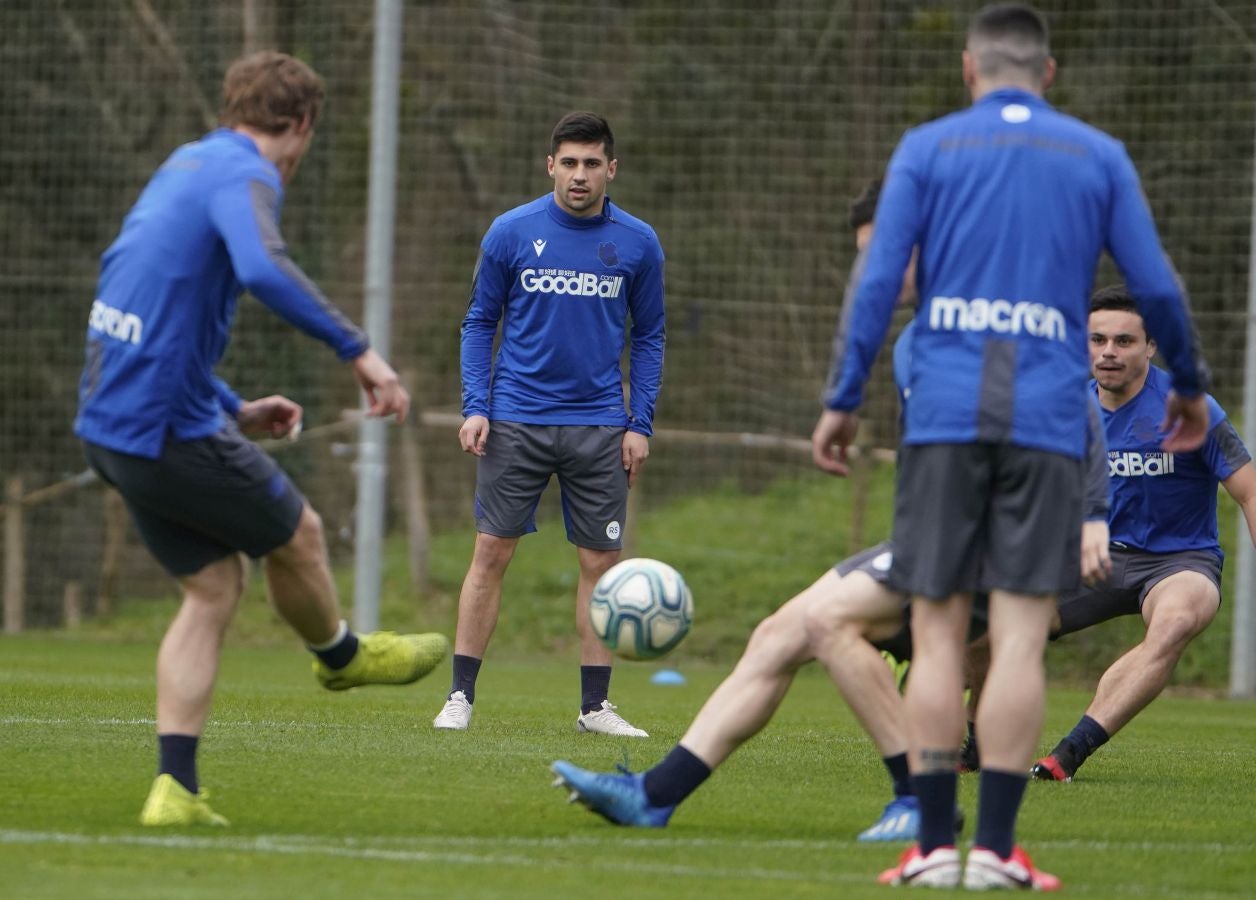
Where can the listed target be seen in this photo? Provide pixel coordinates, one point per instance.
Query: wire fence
(743, 129)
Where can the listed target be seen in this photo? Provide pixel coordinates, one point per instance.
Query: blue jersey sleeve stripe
(249, 226)
(1224, 451)
(1135, 246)
(1096, 463)
(479, 327)
(649, 337)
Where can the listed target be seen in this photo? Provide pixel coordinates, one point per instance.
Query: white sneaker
(455, 715)
(986, 871)
(940, 869)
(607, 721)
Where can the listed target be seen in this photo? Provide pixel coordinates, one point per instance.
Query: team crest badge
(607, 253)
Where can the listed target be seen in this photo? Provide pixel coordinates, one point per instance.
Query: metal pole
(1243, 639)
(381, 209)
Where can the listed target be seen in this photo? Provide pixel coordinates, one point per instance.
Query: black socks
(176, 757)
(466, 671)
(676, 777)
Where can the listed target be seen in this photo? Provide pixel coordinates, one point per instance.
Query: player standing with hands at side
(1010, 204)
(162, 429)
(561, 275)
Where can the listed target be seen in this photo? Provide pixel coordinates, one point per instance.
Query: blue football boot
(617, 797)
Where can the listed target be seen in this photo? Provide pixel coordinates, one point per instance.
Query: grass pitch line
(260, 723)
(410, 848)
(350, 849)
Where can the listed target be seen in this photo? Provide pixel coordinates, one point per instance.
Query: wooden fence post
(72, 604)
(14, 557)
(111, 558)
(418, 523)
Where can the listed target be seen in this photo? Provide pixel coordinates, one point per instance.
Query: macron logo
(998, 316)
(116, 323)
(1132, 464)
(539, 246)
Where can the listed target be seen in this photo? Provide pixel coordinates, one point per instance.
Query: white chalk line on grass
(306, 846)
(293, 843)
(260, 723)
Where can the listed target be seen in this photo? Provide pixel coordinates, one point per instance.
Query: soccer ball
(641, 608)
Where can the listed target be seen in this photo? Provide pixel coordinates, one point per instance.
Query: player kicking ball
(159, 427)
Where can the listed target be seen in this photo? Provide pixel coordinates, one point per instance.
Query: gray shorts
(1134, 573)
(516, 467)
(981, 517)
(875, 562)
(203, 500)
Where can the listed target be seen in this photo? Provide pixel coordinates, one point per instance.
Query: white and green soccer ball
(641, 608)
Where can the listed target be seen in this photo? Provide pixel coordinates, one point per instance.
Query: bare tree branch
(166, 43)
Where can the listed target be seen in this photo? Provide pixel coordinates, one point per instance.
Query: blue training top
(205, 227)
(1011, 204)
(563, 288)
(1095, 498)
(1166, 502)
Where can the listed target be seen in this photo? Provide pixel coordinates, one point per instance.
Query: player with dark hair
(162, 429)
(1165, 552)
(1008, 205)
(845, 619)
(561, 275)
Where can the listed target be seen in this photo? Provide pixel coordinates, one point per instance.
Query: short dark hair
(1009, 36)
(863, 209)
(583, 128)
(1113, 296)
(270, 91)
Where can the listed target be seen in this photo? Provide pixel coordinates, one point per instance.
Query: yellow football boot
(170, 803)
(385, 657)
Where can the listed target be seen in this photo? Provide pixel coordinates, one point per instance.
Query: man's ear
(1048, 73)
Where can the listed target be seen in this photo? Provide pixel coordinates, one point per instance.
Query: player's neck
(1114, 400)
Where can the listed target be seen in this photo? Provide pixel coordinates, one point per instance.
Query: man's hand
(473, 434)
(1186, 421)
(635, 451)
(382, 386)
(274, 415)
(829, 442)
(1096, 557)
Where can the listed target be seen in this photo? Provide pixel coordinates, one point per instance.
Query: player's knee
(829, 623)
(306, 546)
(1172, 629)
(492, 554)
(218, 586)
(776, 636)
(774, 649)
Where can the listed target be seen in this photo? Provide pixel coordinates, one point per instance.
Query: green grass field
(354, 795)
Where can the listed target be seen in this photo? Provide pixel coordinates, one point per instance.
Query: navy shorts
(875, 562)
(516, 467)
(1134, 573)
(202, 500)
(981, 517)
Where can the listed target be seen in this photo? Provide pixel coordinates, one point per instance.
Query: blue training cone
(667, 676)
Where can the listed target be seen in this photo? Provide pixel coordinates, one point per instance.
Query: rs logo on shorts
(1131, 464)
(998, 316)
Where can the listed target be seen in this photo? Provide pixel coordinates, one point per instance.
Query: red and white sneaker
(1050, 769)
(939, 869)
(987, 871)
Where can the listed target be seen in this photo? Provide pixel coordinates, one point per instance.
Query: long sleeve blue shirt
(562, 288)
(205, 228)
(1011, 203)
